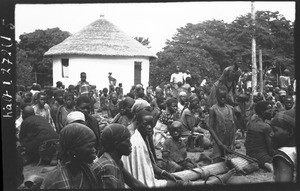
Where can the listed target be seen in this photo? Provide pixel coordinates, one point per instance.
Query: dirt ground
(259, 176)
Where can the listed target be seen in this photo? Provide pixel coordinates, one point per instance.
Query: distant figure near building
(111, 80)
(83, 86)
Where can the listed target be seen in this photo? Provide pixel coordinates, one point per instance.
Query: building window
(137, 72)
(65, 67)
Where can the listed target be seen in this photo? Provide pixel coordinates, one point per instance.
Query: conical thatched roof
(100, 38)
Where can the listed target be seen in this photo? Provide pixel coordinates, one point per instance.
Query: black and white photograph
(150, 95)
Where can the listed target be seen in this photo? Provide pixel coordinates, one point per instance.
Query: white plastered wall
(97, 69)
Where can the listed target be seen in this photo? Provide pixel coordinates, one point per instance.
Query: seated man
(142, 161)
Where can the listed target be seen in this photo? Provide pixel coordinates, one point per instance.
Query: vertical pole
(254, 66)
(261, 72)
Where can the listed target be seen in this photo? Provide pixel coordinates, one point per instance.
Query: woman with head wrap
(35, 131)
(142, 161)
(283, 139)
(182, 100)
(109, 168)
(77, 151)
(125, 116)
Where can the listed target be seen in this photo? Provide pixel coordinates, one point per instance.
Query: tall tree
(274, 35)
(206, 48)
(31, 49)
(23, 68)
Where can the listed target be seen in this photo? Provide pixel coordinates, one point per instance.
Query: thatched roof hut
(98, 49)
(100, 38)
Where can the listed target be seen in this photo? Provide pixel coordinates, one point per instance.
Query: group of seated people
(123, 153)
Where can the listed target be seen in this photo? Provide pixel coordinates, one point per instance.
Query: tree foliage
(143, 41)
(32, 66)
(206, 48)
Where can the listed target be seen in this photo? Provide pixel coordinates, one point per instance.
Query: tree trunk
(254, 66)
(261, 72)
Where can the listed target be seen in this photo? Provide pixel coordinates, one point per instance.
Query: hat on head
(182, 94)
(74, 116)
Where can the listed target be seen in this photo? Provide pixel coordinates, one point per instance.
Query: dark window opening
(137, 72)
(65, 67)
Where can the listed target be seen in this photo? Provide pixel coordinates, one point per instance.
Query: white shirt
(203, 82)
(177, 77)
(186, 75)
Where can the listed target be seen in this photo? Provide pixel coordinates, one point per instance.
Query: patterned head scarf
(140, 105)
(113, 134)
(73, 136)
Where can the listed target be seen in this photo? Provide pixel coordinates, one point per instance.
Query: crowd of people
(61, 127)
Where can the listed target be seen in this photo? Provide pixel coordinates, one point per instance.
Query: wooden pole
(203, 172)
(254, 66)
(261, 72)
(224, 178)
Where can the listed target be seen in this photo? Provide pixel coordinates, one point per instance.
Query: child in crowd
(165, 120)
(279, 105)
(104, 101)
(64, 110)
(113, 106)
(221, 124)
(288, 102)
(174, 150)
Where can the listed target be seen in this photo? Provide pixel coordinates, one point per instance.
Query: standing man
(285, 80)
(83, 86)
(175, 78)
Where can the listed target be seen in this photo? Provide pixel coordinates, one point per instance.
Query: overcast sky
(156, 21)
